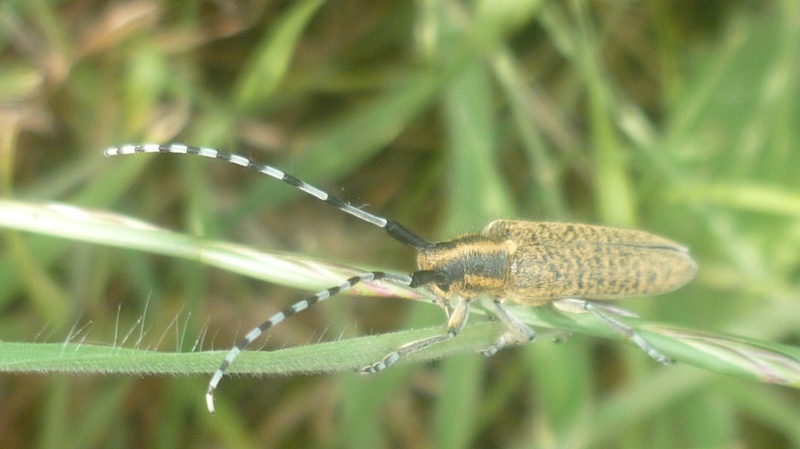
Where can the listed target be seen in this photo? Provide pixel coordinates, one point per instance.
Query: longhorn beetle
(569, 265)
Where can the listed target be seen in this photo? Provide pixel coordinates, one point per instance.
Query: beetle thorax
(473, 265)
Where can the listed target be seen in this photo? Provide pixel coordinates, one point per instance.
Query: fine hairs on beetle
(574, 267)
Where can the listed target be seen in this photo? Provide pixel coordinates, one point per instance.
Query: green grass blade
(116, 230)
(767, 362)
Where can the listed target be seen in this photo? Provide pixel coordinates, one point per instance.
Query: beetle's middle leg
(516, 333)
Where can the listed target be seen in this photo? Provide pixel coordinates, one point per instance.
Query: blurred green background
(680, 118)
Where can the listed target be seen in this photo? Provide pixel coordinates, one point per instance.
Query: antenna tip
(210, 401)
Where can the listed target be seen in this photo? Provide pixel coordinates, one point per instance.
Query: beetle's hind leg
(604, 311)
(517, 332)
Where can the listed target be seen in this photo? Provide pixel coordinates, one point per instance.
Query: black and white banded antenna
(394, 229)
